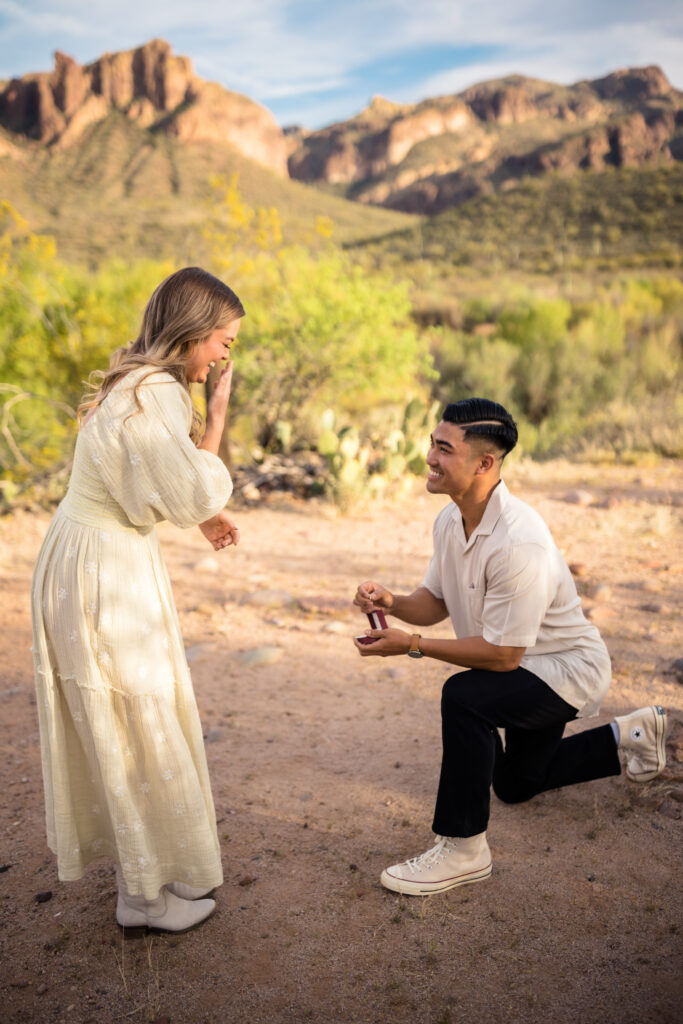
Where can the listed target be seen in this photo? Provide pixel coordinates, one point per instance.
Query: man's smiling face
(451, 461)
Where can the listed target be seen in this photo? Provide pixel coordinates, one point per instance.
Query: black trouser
(535, 758)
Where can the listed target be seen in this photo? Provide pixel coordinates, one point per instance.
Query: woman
(123, 756)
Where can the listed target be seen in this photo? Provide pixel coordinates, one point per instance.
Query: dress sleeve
(148, 462)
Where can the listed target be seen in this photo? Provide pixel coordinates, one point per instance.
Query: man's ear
(486, 463)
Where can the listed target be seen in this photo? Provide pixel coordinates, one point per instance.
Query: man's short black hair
(480, 417)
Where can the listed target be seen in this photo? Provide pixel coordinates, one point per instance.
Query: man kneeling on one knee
(533, 662)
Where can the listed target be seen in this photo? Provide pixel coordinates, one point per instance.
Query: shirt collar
(492, 513)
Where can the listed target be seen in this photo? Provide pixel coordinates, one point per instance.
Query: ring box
(377, 621)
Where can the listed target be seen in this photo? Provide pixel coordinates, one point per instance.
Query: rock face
(441, 152)
(377, 139)
(419, 159)
(151, 86)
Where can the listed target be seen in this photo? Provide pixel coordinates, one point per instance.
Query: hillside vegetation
(126, 192)
(561, 298)
(612, 220)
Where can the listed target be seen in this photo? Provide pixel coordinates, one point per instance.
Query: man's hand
(370, 597)
(389, 642)
(220, 531)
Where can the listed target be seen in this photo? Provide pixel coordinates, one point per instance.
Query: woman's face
(206, 353)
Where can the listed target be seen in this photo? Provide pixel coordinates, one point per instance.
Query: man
(534, 662)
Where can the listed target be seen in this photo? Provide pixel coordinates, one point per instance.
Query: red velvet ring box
(377, 621)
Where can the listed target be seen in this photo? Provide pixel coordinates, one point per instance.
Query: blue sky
(312, 62)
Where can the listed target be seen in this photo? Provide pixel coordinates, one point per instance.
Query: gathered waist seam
(102, 519)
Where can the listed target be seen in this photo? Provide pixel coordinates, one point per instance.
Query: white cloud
(314, 53)
(566, 59)
(25, 17)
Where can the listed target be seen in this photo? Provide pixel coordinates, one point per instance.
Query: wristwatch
(415, 651)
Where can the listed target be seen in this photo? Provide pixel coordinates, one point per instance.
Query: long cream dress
(123, 757)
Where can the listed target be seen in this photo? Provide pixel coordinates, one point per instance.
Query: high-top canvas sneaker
(451, 862)
(642, 736)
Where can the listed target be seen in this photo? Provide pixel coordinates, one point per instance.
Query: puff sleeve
(146, 459)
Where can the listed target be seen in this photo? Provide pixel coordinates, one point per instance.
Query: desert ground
(324, 769)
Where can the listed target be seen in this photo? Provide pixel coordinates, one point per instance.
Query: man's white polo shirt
(509, 584)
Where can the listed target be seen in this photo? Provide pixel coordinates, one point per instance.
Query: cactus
(358, 469)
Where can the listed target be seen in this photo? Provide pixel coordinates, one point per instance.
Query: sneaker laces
(433, 857)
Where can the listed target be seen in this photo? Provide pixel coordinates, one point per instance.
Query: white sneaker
(642, 737)
(167, 912)
(451, 862)
(188, 892)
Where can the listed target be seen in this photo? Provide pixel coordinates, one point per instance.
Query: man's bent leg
(537, 760)
(473, 705)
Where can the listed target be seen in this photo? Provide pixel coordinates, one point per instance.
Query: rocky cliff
(416, 158)
(152, 87)
(440, 152)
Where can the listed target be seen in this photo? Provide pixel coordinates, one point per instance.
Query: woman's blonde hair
(183, 311)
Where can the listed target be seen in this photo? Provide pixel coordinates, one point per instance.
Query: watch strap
(414, 649)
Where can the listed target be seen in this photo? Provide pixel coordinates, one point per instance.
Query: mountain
(155, 89)
(116, 158)
(439, 153)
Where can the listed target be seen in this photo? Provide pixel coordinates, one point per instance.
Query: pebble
(600, 592)
(42, 989)
(214, 735)
(195, 651)
(260, 656)
(656, 607)
(337, 627)
(579, 497)
(325, 605)
(205, 609)
(610, 502)
(578, 569)
(395, 673)
(600, 614)
(208, 564)
(670, 809)
(675, 669)
(269, 598)
(43, 897)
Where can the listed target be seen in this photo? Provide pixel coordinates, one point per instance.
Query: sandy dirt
(324, 769)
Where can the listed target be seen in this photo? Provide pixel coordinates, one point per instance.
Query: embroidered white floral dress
(123, 757)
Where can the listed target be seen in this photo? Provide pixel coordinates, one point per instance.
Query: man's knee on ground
(514, 789)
